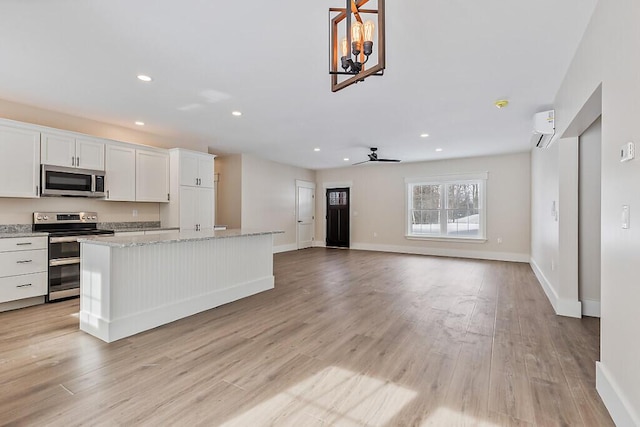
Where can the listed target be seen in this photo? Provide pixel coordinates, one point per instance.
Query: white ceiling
(447, 62)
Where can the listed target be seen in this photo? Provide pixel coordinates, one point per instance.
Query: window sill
(448, 239)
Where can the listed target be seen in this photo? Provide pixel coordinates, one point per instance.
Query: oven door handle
(64, 261)
(64, 239)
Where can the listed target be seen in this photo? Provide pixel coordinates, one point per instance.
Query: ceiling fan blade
(389, 160)
(359, 163)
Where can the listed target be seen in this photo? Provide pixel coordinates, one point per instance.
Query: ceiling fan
(373, 157)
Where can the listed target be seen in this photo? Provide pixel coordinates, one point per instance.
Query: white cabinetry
(196, 169)
(152, 176)
(19, 162)
(23, 269)
(120, 173)
(192, 196)
(61, 149)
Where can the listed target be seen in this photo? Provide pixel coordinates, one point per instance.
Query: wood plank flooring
(346, 338)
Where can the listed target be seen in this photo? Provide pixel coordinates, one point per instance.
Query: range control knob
(39, 217)
(46, 218)
(94, 217)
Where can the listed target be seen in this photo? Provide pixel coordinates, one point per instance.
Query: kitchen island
(130, 284)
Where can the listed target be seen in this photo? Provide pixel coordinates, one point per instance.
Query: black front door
(338, 217)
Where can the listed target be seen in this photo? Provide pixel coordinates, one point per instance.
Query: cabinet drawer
(23, 262)
(25, 286)
(23, 243)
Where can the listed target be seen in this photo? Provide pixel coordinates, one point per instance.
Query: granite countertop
(124, 241)
(14, 234)
(130, 230)
(8, 231)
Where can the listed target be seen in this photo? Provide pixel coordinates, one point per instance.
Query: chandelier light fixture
(355, 34)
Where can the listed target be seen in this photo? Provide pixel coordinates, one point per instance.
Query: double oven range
(64, 229)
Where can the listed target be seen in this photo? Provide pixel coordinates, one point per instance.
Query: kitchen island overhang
(132, 284)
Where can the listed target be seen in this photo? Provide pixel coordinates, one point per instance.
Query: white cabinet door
(89, 154)
(196, 169)
(58, 150)
(19, 162)
(205, 171)
(205, 209)
(120, 173)
(196, 208)
(188, 208)
(152, 176)
(189, 168)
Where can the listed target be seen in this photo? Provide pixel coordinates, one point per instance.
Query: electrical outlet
(375, 234)
(499, 239)
(135, 212)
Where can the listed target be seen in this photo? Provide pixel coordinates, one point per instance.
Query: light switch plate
(627, 152)
(625, 217)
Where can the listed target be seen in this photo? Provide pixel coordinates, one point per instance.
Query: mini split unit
(544, 128)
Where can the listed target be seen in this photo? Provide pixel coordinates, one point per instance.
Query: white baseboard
(455, 253)
(617, 404)
(562, 306)
(285, 248)
(590, 308)
(319, 244)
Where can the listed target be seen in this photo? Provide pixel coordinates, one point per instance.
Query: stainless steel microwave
(62, 181)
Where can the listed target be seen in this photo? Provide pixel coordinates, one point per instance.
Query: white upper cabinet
(69, 151)
(90, 154)
(19, 162)
(152, 176)
(120, 173)
(196, 169)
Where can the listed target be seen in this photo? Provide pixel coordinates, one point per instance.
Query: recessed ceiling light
(144, 78)
(346, 159)
(140, 123)
(501, 103)
(438, 150)
(424, 135)
(236, 113)
(316, 149)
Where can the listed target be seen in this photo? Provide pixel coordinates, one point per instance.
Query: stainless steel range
(64, 228)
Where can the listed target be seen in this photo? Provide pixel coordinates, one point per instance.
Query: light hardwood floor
(346, 338)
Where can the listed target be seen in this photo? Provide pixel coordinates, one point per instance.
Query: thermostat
(627, 152)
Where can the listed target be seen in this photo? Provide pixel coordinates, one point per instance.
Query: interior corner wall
(229, 190)
(269, 198)
(607, 57)
(378, 206)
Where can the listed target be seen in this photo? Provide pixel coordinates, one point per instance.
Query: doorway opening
(338, 222)
(305, 213)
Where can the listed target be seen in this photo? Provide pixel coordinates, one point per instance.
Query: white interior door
(305, 213)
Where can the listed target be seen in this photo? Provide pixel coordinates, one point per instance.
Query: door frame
(306, 184)
(327, 186)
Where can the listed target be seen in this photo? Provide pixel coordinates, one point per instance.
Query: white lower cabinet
(23, 268)
(196, 208)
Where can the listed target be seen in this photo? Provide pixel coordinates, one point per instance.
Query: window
(447, 207)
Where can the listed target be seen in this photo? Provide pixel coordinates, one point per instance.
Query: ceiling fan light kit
(350, 30)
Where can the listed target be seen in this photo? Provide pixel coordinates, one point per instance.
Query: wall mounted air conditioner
(544, 128)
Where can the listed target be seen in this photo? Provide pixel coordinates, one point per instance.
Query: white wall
(378, 206)
(608, 58)
(589, 220)
(269, 198)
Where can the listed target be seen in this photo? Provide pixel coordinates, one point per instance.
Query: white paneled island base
(136, 283)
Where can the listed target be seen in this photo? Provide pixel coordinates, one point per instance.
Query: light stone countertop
(124, 241)
(12, 235)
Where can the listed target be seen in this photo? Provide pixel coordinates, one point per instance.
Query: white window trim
(482, 177)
